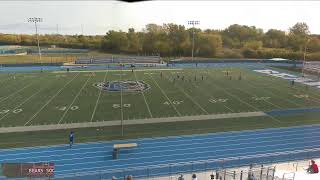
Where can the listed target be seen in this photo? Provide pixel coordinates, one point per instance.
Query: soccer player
(71, 138)
(292, 82)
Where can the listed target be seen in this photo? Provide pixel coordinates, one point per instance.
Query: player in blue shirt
(71, 138)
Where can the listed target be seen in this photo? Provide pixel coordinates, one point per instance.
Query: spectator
(313, 168)
(194, 177)
(129, 177)
(114, 178)
(181, 177)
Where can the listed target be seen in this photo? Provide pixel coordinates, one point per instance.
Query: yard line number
(173, 102)
(301, 95)
(16, 111)
(218, 100)
(63, 108)
(260, 98)
(119, 106)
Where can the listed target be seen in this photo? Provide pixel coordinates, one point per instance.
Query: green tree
(298, 36)
(275, 39)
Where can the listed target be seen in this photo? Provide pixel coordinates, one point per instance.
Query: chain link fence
(174, 169)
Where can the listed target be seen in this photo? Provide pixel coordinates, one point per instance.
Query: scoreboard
(31, 170)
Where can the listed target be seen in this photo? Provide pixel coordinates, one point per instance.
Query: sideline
(129, 122)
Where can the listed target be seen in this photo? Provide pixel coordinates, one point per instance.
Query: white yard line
(14, 93)
(57, 93)
(130, 122)
(285, 99)
(164, 93)
(192, 100)
(236, 97)
(277, 106)
(4, 80)
(121, 103)
(212, 97)
(96, 105)
(145, 100)
(21, 103)
(74, 99)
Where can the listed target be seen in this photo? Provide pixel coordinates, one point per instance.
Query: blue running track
(245, 147)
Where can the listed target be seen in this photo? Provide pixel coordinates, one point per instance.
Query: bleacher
(112, 59)
(313, 67)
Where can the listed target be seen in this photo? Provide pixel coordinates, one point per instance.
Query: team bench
(117, 147)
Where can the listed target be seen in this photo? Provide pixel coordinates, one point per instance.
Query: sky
(98, 17)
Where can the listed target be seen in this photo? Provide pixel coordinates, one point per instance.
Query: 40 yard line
(74, 99)
(165, 95)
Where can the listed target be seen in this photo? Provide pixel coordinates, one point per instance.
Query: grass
(51, 98)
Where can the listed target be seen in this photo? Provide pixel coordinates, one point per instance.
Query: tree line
(172, 40)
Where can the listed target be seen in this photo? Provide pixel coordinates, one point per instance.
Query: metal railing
(194, 166)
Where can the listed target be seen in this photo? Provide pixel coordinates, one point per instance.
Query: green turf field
(71, 97)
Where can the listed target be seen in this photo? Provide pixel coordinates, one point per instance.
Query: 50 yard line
(144, 98)
(95, 107)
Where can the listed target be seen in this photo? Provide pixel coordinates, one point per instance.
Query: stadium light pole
(304, 57)
(36, 20)
(193, 23)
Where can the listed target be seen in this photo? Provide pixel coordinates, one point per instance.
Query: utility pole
(81, 29)
(193, 23)
(304, 57)
(57, 29)
(36, 20)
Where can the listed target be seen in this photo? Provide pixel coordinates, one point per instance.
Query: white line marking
(189, 97)
(236, 97)
(74, 99)
(165, 95)
(203, 142)
(145, 100)
(57, 93)
(129, 122)
(22, 103)
(121, 105)
(96, 105)
(263, 131)
(16, 91)
(270, 92)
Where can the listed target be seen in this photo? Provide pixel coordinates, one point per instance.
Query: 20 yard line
(74, 99)
(26, 100)
(57, 93)
(96, 105)
(144, 98)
